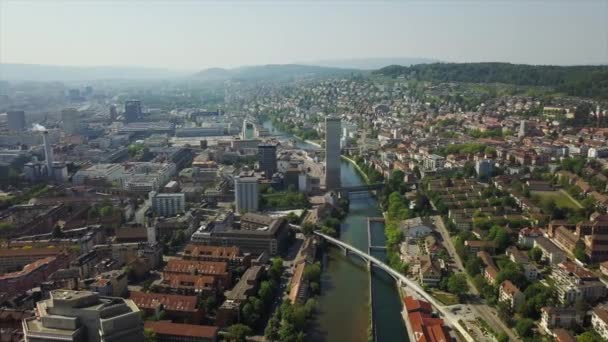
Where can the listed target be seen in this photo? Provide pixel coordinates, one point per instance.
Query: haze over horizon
(188, 35)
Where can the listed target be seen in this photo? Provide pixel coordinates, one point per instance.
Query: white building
(434, 162)
(599, 321)
(109, 172)
(246, 192)
(167, 204)
(84, 316)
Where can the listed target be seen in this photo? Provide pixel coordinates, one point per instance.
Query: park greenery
(396, 209)
(290, 199)
(373, 176)
(255, 310)
(296, 130)
(35, 191)
(289, 321)
(330, 225)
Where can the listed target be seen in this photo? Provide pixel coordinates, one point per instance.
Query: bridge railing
(403, 279)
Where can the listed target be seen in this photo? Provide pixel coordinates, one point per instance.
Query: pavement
(484, 311)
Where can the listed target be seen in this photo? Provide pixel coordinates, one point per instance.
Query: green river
(344, 310)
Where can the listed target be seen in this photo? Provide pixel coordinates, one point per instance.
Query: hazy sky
(201, 34)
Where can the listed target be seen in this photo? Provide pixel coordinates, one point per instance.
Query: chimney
(48, 153)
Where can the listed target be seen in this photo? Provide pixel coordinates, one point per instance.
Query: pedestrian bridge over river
(401, 279)
(365, 188)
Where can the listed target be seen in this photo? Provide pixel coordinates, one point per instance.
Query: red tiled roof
(491, 271)
(29, 268)
(426, 328)
(601, 314)
(187, 280)
(198, 267)
(412, 304)
(170, 302)
(211, 251)
(41, 252)
(183, 330)
(578, 271)
(509, 288)
(480, 244)
(562, 335)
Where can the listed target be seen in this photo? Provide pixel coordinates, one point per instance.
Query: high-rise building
(16, 120)
(246, 193)
(132, 110)
(483, 167)
(84, 316)
(267, 158)
(113, 113)
(70, 120)
(523, 128)
(167, 204)
(48, 153)
(332, 152)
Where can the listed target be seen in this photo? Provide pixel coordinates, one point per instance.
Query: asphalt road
(484, 311)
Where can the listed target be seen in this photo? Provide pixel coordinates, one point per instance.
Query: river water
(344, 310)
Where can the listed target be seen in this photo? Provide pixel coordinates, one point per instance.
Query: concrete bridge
(401, 279)
(346, 190)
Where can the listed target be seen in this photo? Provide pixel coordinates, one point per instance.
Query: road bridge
(401, 279)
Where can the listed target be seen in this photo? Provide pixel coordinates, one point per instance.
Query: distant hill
(36, 72)
(586, 80)
(372, 63)
(272, 72)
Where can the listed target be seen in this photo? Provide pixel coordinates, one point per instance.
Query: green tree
(239, 332)
(524, 327)
(308, 228)
(589, 336)
(504, 312)
(536, 254)
(149, 335)
(293, 218)
(287, 332)
(106, 211)
(501, 238)
(473, 266)
(395, 181)
(272, 328)
(265, 292)
(579, 251)
(249, 314)
(312, 272)
(276, 269)
(457, 284)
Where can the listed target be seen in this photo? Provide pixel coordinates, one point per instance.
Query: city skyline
(197, 36)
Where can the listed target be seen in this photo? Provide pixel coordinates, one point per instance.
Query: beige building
(84, 316)
(509, 293)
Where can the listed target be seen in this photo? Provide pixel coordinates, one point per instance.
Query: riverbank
(357, 167)
(308, 141)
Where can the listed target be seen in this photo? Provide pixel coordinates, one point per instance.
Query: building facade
(132, 110)
(16, 120)
(246, 192)
(167, 204)
(267, 158)
(332, 152)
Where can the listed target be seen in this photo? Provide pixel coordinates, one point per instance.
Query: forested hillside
(587, 81)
